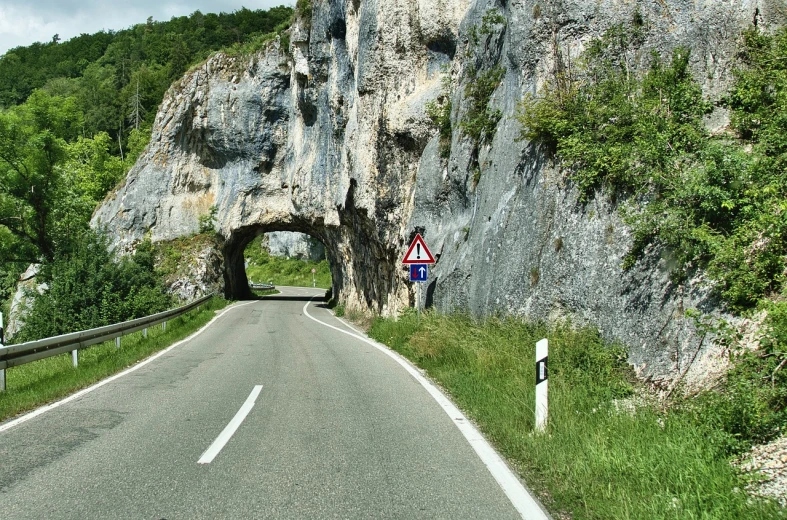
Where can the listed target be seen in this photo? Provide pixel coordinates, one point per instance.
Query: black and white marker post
(542, 384)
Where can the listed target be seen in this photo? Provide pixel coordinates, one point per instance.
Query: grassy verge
(607, 453)
(289, 271)
(37, 383)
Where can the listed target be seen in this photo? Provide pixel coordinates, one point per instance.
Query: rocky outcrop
(290, 244)
(22, 301)
(330, 138)
(199, 274)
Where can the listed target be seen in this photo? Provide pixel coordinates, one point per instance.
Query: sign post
(542, 384)
(418, 257)
(314, 282)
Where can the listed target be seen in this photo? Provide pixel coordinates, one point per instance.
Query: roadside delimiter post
(542, 348)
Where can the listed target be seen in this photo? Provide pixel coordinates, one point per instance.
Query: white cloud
(21, 24)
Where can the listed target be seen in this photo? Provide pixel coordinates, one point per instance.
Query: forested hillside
(118, 78)
(75, 115)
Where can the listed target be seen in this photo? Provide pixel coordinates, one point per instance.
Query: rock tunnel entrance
(365, 274)
(287, 258)
(240, 263)
(363, 254)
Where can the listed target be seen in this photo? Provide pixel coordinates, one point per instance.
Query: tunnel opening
(286, 258)
(282, 255)
(362, 255)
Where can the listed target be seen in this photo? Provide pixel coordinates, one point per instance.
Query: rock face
(23, 300)
(200, 273)
(291, 244)
(331, 138)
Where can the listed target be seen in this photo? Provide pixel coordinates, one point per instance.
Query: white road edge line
(229, 430)
(527, 506)
(56, 404)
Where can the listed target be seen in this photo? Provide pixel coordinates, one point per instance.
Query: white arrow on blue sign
(419, 272)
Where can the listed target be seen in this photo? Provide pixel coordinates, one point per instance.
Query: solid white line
(52, 406)
(527, 506)
(229, 430)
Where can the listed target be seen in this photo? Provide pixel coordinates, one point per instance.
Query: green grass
(594, 462)
(40, 382)
(288, 271)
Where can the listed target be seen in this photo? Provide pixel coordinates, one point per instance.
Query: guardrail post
(117, 342)
(542, 385)
(74, 358)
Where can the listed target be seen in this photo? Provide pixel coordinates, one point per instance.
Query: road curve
(337, 429)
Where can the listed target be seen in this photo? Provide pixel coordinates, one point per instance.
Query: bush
(303, 9)
(480, 121)
(750, 405)
(711, 202)
(439, 112)
(90, 287)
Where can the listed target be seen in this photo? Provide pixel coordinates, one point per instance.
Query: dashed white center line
(230, 429)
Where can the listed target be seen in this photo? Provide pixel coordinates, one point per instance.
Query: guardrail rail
(15, 355)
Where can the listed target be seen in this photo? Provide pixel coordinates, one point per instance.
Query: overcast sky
(23, 22)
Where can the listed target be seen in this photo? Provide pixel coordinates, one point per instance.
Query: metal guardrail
(15, 355)
(264, 286)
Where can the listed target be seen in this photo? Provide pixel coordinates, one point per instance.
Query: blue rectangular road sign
(419, 272)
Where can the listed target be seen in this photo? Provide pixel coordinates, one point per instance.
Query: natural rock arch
(236, 283)
(231, 140)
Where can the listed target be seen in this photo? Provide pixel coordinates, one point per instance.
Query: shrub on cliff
(713, 202)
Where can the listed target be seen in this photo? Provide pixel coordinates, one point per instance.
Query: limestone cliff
(330, 137)
(289, 244)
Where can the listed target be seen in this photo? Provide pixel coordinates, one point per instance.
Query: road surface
(265, 414)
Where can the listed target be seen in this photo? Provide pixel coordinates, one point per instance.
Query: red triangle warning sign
(418, 252)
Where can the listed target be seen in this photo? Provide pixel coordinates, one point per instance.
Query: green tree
(33, 191)
(98, 98)
(90, 287)
(93, 168)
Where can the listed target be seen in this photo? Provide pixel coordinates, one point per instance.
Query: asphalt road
(339, 429)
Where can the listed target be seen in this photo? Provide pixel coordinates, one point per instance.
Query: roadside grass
(607, 452)
(34, 384)
(289, 271)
